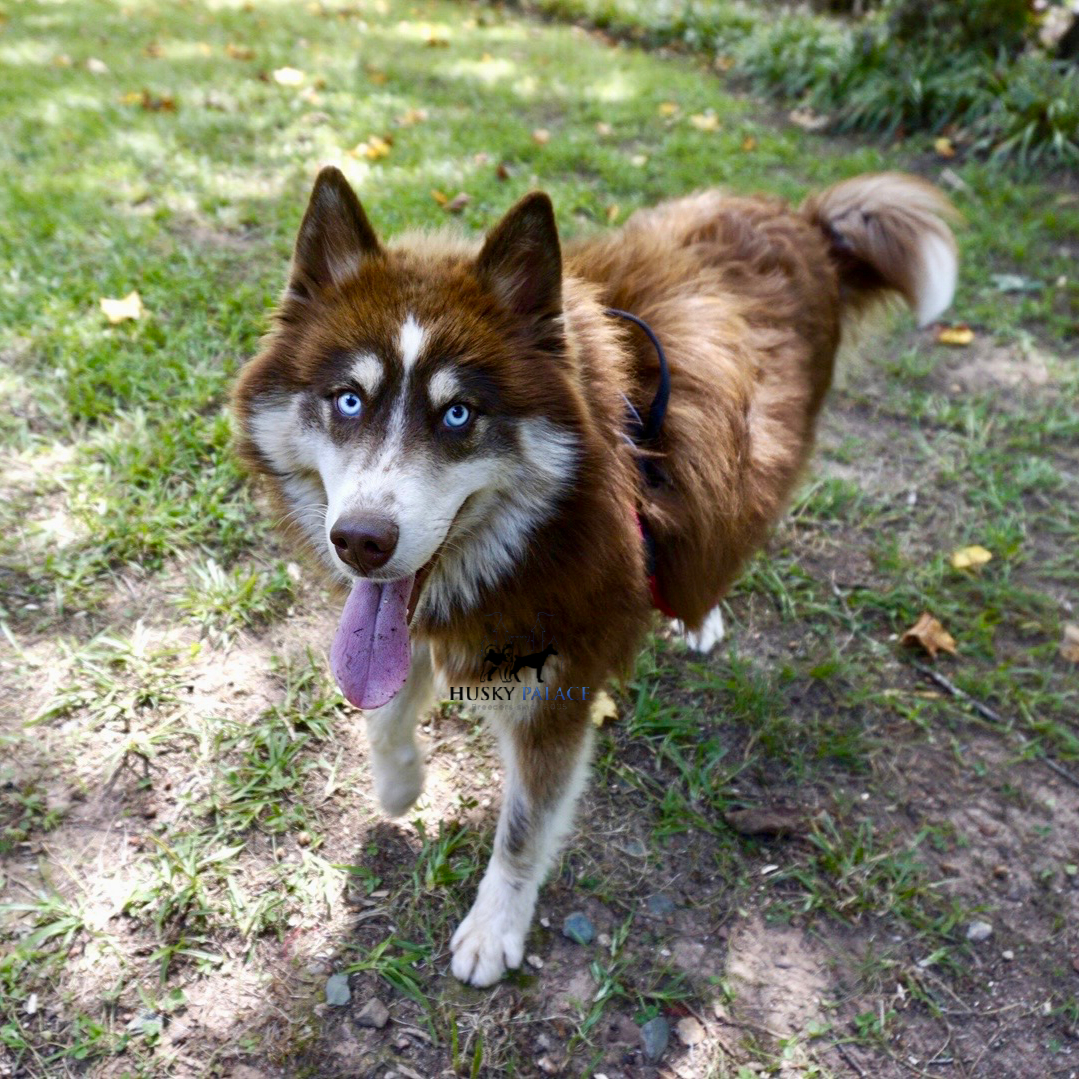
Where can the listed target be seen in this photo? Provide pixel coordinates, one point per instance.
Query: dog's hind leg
(710, 633)
(396, 760)
(545, 757)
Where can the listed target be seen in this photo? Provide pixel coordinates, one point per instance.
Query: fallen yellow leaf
(373, 148)
(930, 635)
(1069, 646)
(439, 196)
(288, 76)
(749, 143)
(944, 146)
(612, 213)
(121, 310)
(668, 108)
(245, 52)
(970, 557)
(411, 116)
(541, 136)
(705, 121)
(379, 78)
(603, 709)
(959, 336)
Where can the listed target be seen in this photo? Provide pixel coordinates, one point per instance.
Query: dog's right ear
(335, 237)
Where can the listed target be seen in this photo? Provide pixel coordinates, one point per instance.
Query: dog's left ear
(335, 236)
(522, 259)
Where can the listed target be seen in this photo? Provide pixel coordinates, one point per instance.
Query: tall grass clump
(973, 70)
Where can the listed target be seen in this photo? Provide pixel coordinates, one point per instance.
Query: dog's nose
(364, 543)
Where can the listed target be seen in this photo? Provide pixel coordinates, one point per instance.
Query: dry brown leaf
(439, 196)
(603, 709)
(668, 108)
(723, 64)
(61, 59)
(929, 634)
(379, 78)
(240, 52)
(288, 76)
(129, 307)
(541, 136)
(765, 820)
(411, 117)
(458, 202)
(437, 41)
(970, 557)
(749, 143)
(959, 336)
(1069, 645)
(944, 146)
(603, 128)
(153, 50)
(503, 172)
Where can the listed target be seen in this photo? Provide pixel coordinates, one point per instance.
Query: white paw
(491, 939)
(703, 640)
(398, 779)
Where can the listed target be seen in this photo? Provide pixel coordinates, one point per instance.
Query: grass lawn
(783, 847)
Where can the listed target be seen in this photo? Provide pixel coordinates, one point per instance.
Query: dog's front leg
(396, 760)
(545, 758)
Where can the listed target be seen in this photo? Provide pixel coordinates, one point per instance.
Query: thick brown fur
(748, 297)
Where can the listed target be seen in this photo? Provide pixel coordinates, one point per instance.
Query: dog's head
(413, 409)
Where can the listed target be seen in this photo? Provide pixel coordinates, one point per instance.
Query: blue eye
(349, 404)
(456, 416)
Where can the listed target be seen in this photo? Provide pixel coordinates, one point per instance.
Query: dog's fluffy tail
(889, 234)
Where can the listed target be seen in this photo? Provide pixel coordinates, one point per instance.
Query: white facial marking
(410, 342)
(367, 371)
(444, 387)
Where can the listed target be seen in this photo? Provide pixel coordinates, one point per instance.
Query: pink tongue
(370, 655)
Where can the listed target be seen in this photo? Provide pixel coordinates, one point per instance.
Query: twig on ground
(841, 1050)
(994, 717)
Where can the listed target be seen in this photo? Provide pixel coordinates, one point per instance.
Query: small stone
(338, 993)
(535, 961)
(1007, 954)
(578, 928)
(690, 1032)
(373, 1014)
(655, 1034)
(660, 905)
(548, 1066)
(401, 1044)
(979, 931)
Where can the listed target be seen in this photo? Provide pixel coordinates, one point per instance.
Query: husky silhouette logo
(508, 661)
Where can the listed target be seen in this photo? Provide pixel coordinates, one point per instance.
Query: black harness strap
(646, 430)
(642, 432)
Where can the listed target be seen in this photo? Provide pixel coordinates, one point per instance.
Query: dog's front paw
(491, 939)
(398, 779)
(482, 953)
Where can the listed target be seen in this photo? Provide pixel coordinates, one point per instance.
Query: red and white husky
(444, 425)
